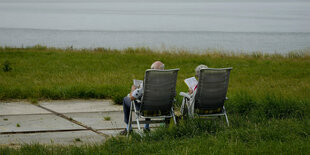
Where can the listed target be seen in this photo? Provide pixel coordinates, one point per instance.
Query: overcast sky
(155, 1)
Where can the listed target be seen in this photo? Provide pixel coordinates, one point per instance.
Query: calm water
(253, 25)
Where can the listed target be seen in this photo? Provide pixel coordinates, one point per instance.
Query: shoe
(146, 130)
(124, 132)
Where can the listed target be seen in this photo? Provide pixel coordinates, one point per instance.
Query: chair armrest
(226, 98)
(187, 95)
(138, 101)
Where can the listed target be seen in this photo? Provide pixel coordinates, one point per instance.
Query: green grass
(49, 73)
(77, 140)
(107, 118)
(268, 104)
(274, 136)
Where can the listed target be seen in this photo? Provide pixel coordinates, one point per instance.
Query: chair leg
(226, 116)
(137, 116)
(190, 106)
(175, 121)
(138, 123)
(226, 119)
(182, 106)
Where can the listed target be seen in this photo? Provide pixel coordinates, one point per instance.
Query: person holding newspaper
(136, 93)
(192, 82)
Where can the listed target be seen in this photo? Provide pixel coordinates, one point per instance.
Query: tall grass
(50, 73)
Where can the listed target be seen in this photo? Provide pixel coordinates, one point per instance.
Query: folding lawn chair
(209, 97)
(157, 99)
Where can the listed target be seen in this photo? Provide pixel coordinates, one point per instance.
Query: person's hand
(190, 91)
(131, 97)
(133, 87)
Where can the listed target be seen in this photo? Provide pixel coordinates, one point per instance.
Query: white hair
(158, 65)
(198, 68)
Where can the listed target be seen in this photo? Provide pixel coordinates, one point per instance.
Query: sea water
(195, 25)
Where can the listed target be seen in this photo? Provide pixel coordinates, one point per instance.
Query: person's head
(198, 68)
(158, 65)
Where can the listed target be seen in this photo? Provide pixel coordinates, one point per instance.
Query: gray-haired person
(197, 72)
(133, 95)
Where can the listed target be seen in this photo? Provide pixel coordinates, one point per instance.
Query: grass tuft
(33, 101)
(107, 118)
(77, 140)
(7, 66)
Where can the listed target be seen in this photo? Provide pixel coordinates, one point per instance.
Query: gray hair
(158, 65)
(198, 68)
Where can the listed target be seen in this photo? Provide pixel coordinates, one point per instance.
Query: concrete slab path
(59, 122)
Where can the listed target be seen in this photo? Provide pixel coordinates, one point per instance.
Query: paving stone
(65, 106)
(17, 123)
(97, 120)
(20, 108)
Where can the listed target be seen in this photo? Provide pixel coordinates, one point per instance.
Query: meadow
(268, 104)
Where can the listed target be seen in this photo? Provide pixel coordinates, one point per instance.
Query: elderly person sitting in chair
(190, 90)
(197, 71)
(136, 93)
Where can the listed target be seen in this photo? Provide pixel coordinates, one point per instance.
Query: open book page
(138, 83)
(191, 82)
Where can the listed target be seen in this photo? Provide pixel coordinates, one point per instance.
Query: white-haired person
(197, 72)
(136, 93)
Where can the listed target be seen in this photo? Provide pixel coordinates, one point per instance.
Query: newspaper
(137, 83)
(191, 82)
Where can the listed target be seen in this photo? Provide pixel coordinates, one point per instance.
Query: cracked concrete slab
(71, 106)
(24, 123)
(39, 122)
(98, 120)
(20, 108)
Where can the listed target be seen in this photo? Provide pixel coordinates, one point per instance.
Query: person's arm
(136, 94)
(133, 88)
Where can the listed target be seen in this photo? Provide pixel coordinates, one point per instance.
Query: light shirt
(137, 94)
